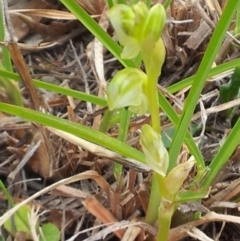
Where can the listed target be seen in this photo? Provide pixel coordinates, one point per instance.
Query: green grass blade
(237, 26)
(195, 195)
(6, 58)
(6, 194)
(58, 89)
(214, 71)
(97, 31)
(122, 136)
(167, 4)
(75, 129)
(200, 79)
(110, 3)
(174, 118)
(223, 154)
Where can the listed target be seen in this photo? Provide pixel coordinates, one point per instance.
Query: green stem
(154, 201)
(104, 126)
(122, 136)
(157, 191)
(161, 186)
(165, 217)
(153, 60)
(165, 211)
(155, 195)
(153, 102)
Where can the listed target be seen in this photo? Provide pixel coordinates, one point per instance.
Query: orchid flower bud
(141, 12)
(122, 18)
(126, 90)
(156, 154)
(152, 48)
(154, 25)
(177, 175)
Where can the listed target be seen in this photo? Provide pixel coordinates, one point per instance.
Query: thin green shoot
(223, 154)
(236, 31)
(122, 136)
(6, 59)
(200, 79)
(154, 201)
(110, 3)
(106, 121)
(6, 194)
(167, 4)
(214, 71)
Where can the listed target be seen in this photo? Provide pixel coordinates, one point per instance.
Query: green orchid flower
(126, 89)
(177, 176)
(122, 18)
(156, 154)
(137, 27)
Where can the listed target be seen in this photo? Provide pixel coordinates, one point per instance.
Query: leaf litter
(58, 49)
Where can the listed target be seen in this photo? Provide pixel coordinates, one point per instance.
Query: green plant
(139, 29)
(169, 198)
(20, 222)
(9, 88)
(6, 56)
(26, 221)
(231, 90)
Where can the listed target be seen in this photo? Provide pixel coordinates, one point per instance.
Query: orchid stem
(153, 103)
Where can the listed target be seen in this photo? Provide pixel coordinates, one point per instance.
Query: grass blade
(75, 129)
(200, 79)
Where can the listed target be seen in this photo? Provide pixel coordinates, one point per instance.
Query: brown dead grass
(109, 208)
